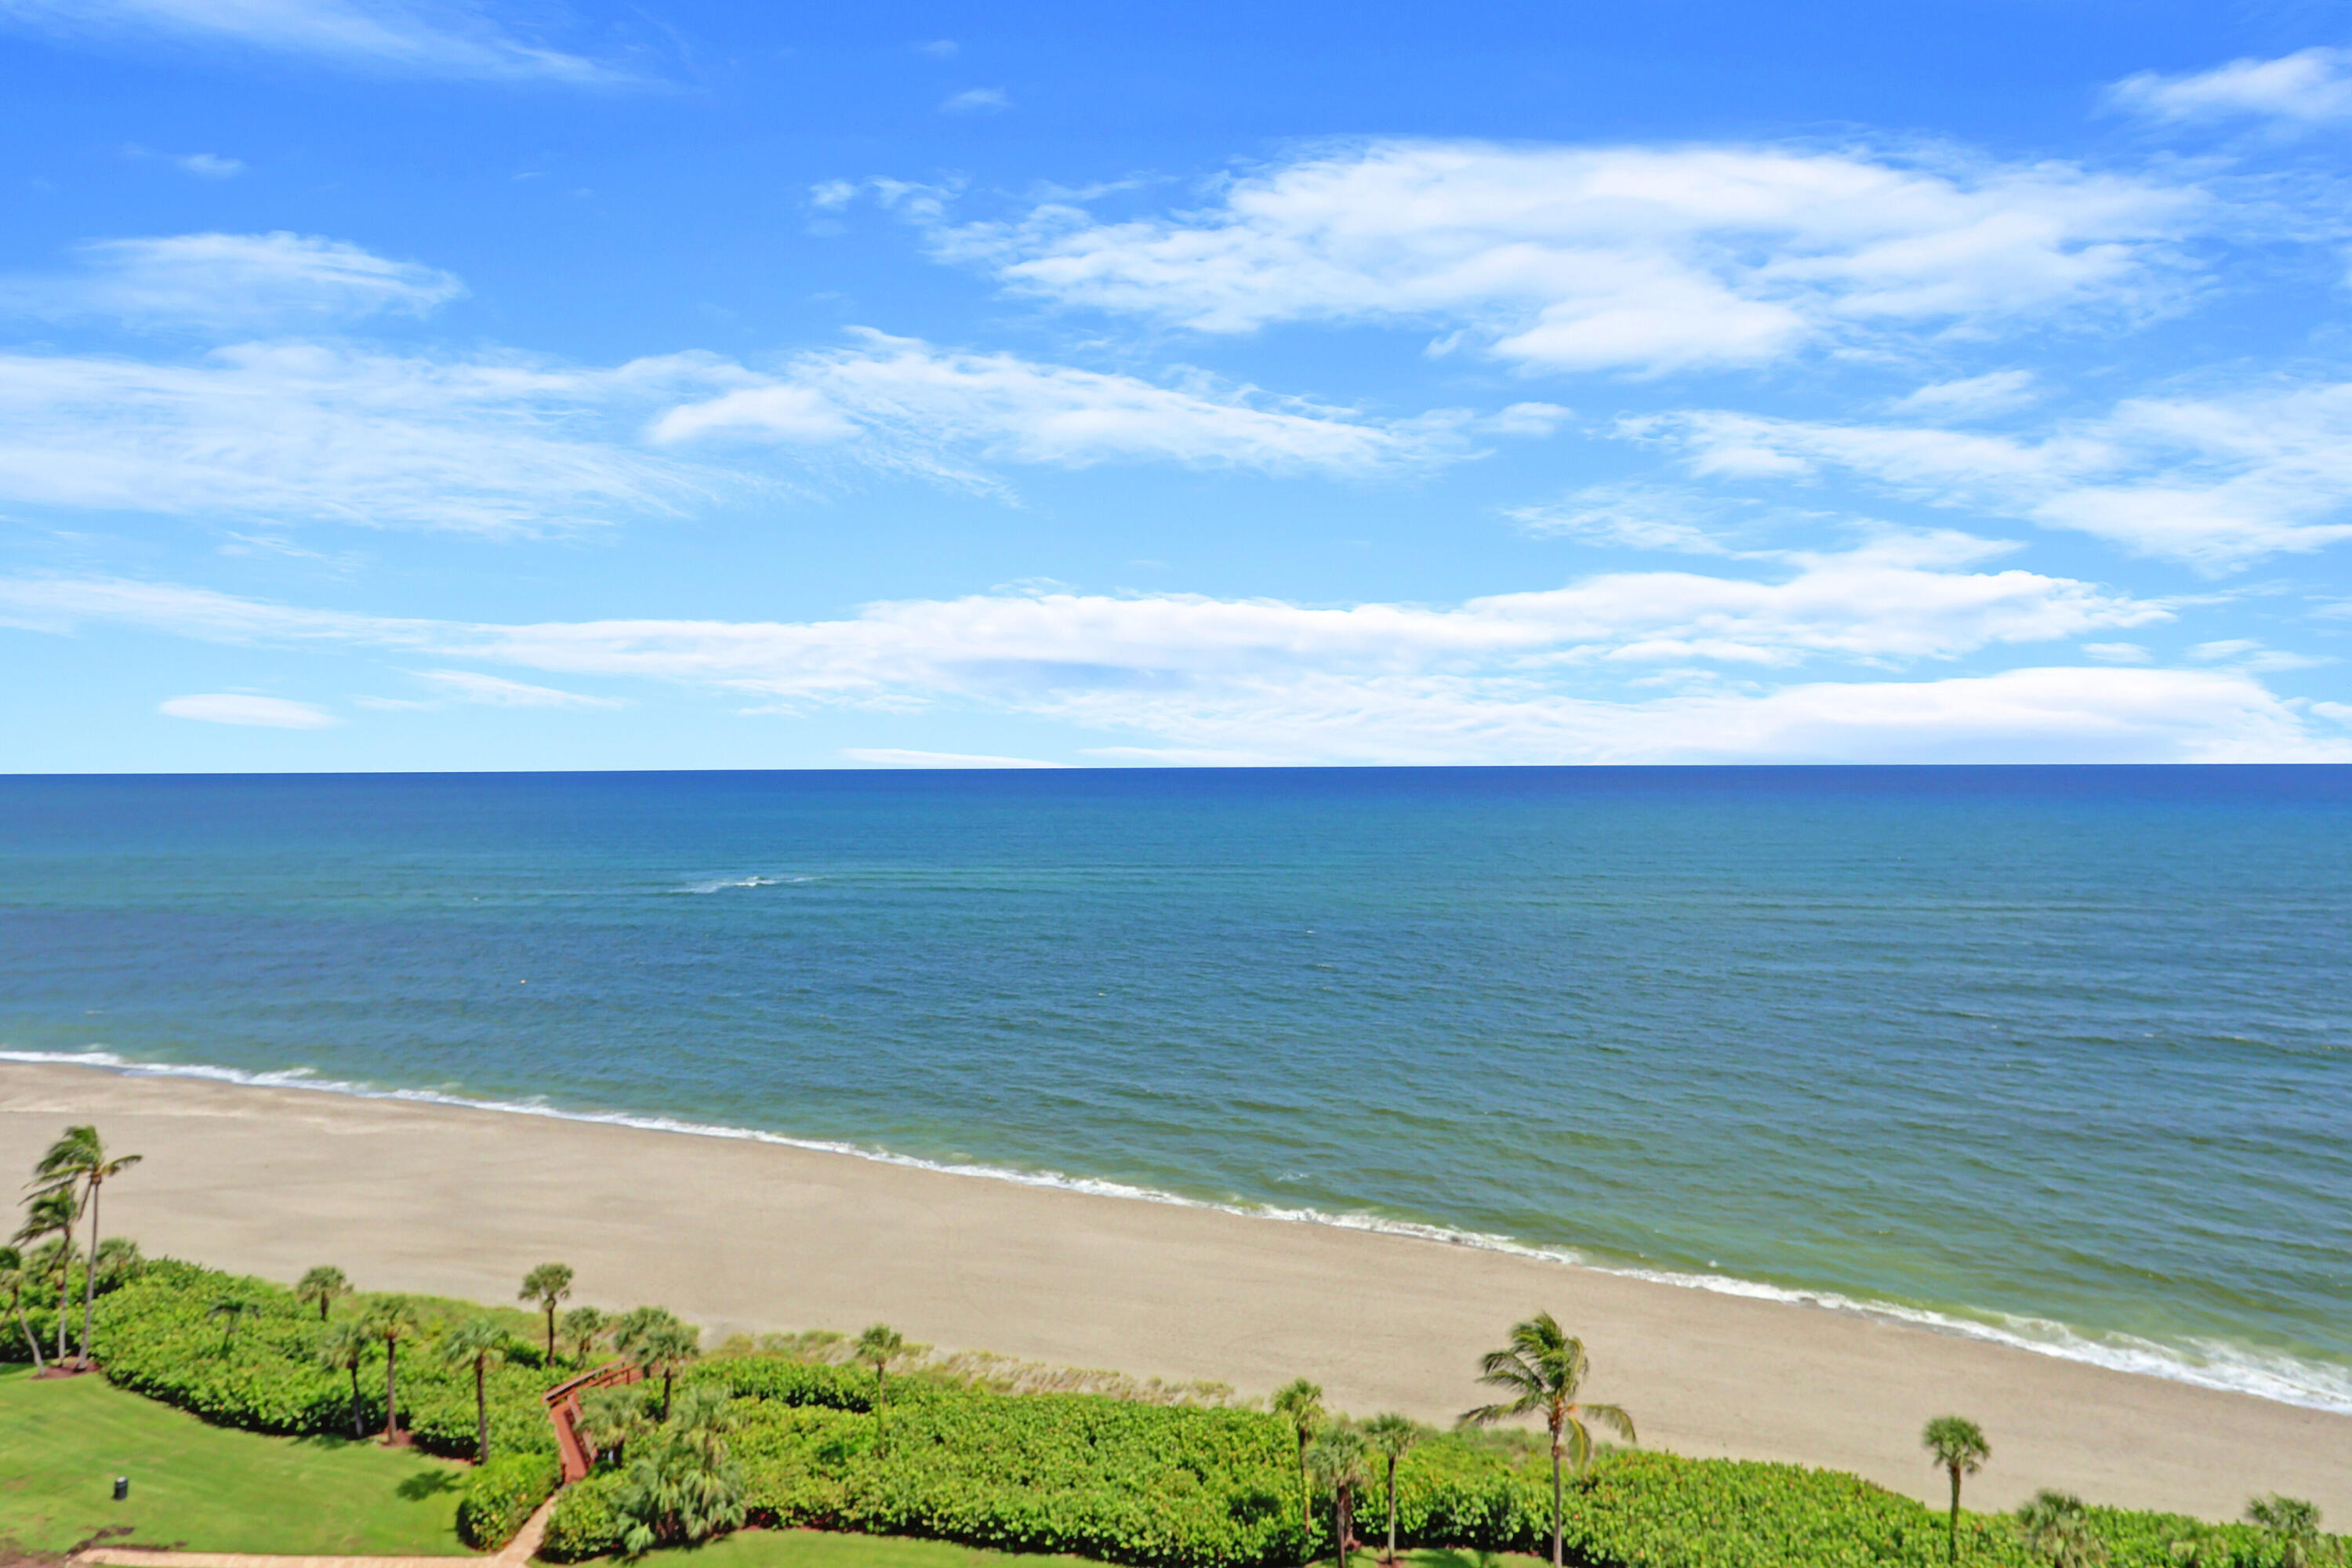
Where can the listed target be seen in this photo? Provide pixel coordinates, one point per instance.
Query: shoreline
(411, 1190)
(2064, 1341)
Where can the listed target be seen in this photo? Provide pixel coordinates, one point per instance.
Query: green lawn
(202, 1488)
(822, 1549)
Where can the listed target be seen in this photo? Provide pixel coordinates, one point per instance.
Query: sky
(676, 383)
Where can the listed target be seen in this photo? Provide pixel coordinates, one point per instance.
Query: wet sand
(745, 1236)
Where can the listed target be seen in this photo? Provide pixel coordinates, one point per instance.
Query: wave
(2233, 1369)
(721, 884)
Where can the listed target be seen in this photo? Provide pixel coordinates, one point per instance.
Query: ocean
(2056, 1056)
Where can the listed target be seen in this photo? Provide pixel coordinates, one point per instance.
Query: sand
(740, 1236)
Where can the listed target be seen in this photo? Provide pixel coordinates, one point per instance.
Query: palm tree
(582, 1328)
(118, 1261)
(52, 1213)
(80, 1157)
(1301, 1404)
(2058, 1530)
(321, 1287)
(1542, 1368)
(231, 1311)
(658, 1342)
(15, 1275)
(609, 1418)
(879, 1346)
(1341, 1459)
(685, 1488)
(477, 1342)
(389, 1320)
(550, 1285)
(1957, 1445)
(1392, 1437)
(342, 1348)
(2289, 1521)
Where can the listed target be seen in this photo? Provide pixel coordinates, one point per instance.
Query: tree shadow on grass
(428, 1484)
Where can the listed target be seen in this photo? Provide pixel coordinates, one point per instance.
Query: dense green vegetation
(62, 1442)
(1126, 1481)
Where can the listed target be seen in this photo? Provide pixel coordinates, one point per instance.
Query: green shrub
(500, 1497)
(585, 1523)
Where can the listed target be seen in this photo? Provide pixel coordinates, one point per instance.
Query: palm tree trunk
(1555, 1502)
(89, 1275)
(551, 1333)
(1340, 1524)
(1306, 1498)
(32, 1339)
(1391, 1507)
(481, 1415)
(65, 1290)
(358, 1431)
(667, 1373)
(390, 1391)
(1954, 1534)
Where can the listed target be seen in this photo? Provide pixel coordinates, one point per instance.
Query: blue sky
(450, 386)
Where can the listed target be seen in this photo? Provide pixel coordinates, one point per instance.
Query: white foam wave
(723, 883)
(2233, 1369)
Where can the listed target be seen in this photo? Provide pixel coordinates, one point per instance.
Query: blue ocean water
(2058, 1055)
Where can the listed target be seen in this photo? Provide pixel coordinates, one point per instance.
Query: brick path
(516, 1553)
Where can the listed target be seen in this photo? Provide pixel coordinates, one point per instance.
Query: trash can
(121, 1487)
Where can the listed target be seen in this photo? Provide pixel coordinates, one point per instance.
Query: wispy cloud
(976, 100)
(1622, 666)
(238, 708)
(1635, 515)
(2216, 481)
(2311, 87)
(230, 281)
(422, 38)
(1630, 258)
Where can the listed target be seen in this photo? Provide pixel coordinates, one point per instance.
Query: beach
(749, 1236)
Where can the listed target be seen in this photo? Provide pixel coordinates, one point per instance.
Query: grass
(822, 1549)
(203, 1488)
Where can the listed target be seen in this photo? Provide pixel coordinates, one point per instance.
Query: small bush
(500, 1497)
(586, 1522)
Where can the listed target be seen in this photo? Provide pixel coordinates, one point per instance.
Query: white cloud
(1635, 259)
(2309, 88)
(900, 757)
(236, 708)
(2215, 481)
(210, 165)
(421, 39)
(913, 404)
(496, 691)
(232, 281)
(2117, 653)
(1622, 666)
(936, 49)
(1973, 397)
(322, 432)
(976, 100)
(1634, 516)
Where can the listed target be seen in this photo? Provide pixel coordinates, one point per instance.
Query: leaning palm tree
(51, 1213)
(388, 1320)
(2057, 1529)
(1542, 1368)
(480, 1344)
(584, 1329)
(79, 1159)
(658, 1342)
(1392, 1437)
(1958, 1446)
(2292, 1524)
(321, 1287)
(550, 1285)
(1299, 1405)
(1342, 1460)
(15, 1275)
(342, 1348)
(877, 1347)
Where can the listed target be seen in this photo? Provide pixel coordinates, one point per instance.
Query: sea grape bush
(500, 1497)
(1123, 1480)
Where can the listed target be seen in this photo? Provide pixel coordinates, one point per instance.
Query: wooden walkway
(515, 1552)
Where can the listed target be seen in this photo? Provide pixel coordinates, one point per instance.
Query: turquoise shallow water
(2057, 1054)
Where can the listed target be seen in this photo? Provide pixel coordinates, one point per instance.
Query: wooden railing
(563, 1409)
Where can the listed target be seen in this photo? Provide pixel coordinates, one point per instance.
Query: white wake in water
(2233, 1369)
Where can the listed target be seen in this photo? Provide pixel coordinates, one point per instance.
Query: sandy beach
(743, 1235)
